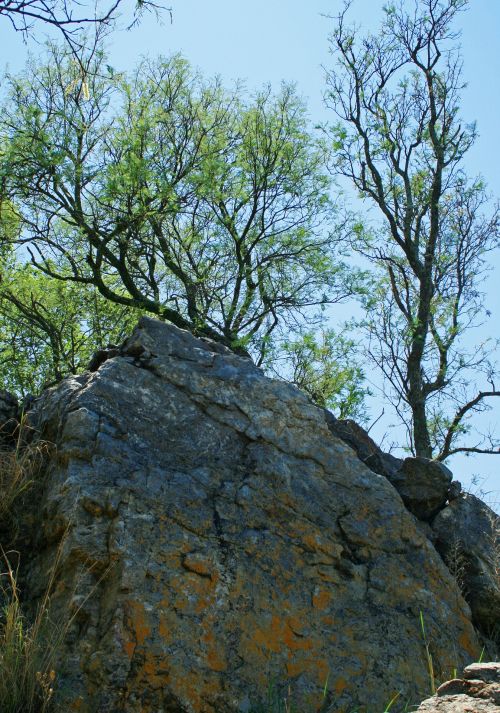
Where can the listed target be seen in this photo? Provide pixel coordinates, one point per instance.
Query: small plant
(279, 699)
(428, 656)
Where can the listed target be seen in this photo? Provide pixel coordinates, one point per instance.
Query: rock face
(211, 536)
(468, 537)
(425, 485)
(477, 692)
(464, 530)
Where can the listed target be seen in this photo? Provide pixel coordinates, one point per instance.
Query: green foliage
(50, 328)
(172, 195)
(325, 367)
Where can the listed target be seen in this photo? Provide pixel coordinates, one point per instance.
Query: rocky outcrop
(467, 535)
(464, 530)
(477, 692)
(425, 485)
(211, 536)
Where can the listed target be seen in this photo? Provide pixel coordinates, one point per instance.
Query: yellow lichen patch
(321, 598)
(215, 660)
(279, 636)
(136, 625)
(295, 668)
(294, 642)
(340, 685)
(199, 565)
(129, 647)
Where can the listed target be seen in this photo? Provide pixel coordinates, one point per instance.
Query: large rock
(477, 692)
(211, 537)
(468, 538)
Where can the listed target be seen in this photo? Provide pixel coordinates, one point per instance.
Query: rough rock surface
(9, 415)
(468, 537)
(477, 692)
(364, 446)
(212, 536)
(425, 485)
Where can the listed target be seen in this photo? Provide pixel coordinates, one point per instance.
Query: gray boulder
(477, 692)
(467, 536)
(212, 536)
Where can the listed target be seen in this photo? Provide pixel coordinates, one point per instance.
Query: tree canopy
(171, 195)
(161, 191)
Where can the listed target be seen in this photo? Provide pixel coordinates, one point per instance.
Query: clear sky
(271, 40)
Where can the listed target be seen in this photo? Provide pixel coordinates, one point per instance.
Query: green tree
(325, 366)
(173, 196)
(401, 142)
(50, 328)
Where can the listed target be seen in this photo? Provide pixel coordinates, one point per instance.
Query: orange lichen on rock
(340, 685)
(321, 598)
(280, 635)
(137, 626)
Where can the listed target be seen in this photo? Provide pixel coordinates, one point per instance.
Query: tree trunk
(421, 438)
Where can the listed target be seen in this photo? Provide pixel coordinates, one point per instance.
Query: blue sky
(272, 40)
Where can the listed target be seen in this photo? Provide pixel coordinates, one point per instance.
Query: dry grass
(27, 652)
(19, 466)
(27, 648)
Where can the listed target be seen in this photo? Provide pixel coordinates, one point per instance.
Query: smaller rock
(455, 490)
(423, 484)
(477, 692)
(9, 415)
(364, 446)
(489, 672)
